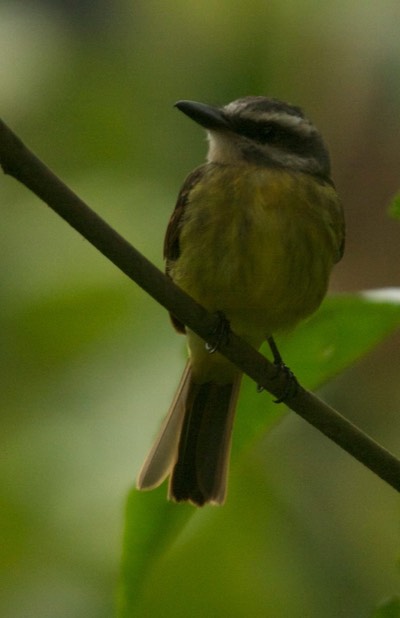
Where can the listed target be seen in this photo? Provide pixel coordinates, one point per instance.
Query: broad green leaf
(152, 524)
(344, 329)
(394, 208)
(388, 609)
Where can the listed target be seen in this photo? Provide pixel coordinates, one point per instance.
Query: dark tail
(193, 446)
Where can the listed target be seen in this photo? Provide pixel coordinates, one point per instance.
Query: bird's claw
(291, 383)
(220, 333)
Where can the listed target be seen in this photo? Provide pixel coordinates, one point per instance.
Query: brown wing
(338, 225)
(337, 222)
(171, 242)
(341, 234)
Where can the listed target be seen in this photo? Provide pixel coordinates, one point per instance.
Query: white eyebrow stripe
(238, 145)
(289, 121)
(240, 108)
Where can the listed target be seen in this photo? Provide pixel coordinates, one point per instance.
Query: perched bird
(255, 233)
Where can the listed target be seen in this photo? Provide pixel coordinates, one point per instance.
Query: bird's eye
(269, 132)
(266, 130)
(261, 132)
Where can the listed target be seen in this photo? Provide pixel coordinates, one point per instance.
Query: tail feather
(200, 472)
(161, 457)
(193, 446)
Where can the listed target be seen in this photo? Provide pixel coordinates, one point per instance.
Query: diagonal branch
(23, 165)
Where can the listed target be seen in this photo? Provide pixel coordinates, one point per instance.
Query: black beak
(207, 116)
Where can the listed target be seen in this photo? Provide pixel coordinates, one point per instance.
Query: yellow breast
(259, 245)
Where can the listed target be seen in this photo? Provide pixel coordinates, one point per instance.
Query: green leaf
(394, 208)
(344, 329)
(390, 608)
(151, 525)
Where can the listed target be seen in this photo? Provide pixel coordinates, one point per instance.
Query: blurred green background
(89, 363)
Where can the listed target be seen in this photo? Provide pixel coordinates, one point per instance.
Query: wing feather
(171, 241)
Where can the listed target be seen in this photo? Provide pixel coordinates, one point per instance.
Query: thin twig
(23, 165)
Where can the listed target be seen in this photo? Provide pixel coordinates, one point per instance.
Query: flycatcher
(255, 233)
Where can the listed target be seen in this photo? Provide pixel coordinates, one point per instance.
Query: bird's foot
(291, 384)
(220, 333)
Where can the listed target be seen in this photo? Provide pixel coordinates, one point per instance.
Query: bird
(254, 235)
